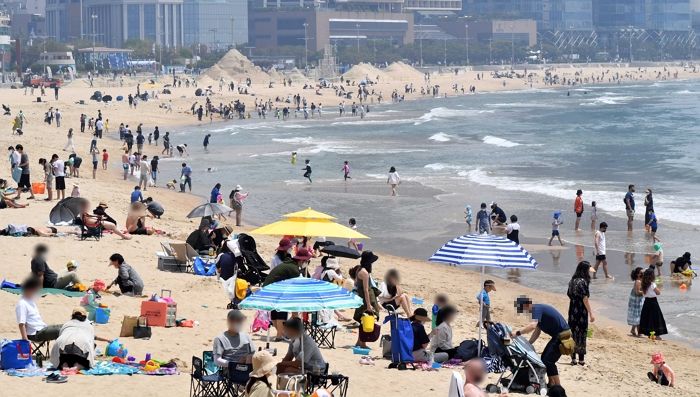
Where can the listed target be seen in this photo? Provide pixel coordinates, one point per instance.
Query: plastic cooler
(160, 314)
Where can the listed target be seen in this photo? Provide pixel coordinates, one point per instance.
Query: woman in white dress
(394, 180)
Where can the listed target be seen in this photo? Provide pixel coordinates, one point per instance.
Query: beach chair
(237, 378)
(336, 384)
(167, 260)
(87, 232)
(203, 385)
(183, 261)
(41, 349)
(456, 385)
(210, 367)
(322, 334)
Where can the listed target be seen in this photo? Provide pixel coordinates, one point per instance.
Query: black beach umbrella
(106, 98)
(341, 251)
(67, 210)
(198, 92)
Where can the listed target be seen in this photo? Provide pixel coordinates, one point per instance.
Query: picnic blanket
(49, 291)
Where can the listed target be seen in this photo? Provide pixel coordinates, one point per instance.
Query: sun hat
(238, 187)
(79, 310)
(368, 257)
(72, 264)
(284, 245)
(103, 204)
(657, 358)
(332, 263)
(303, 254)
(263, 364)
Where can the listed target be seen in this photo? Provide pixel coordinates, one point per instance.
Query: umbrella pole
(301, 354)
(481, 310)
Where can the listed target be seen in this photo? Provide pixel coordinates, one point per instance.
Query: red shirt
(578, 205)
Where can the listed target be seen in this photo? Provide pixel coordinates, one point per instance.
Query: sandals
(56, 378)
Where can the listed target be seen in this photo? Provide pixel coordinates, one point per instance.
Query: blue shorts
(555, 233)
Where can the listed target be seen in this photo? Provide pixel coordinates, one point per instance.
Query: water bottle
(431, 359)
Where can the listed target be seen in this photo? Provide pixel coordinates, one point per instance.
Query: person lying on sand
(8, 200)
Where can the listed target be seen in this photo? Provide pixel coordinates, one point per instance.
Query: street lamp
(357, 27)
(94, 60)
(512, 45)
(466, 40)
(306, 46)
(444, 58)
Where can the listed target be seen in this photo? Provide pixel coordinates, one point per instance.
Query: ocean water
(527, 150)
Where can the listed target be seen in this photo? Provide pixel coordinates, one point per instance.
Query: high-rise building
(668, 15)
(619, 14)
(550, 15)
(215, 23)
(112, 22)
(695, 13)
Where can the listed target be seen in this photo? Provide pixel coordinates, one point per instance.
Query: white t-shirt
(600, 237)
(28, 314)
(99, 124)
(650, 292)
(16, 157)
(394, 178)
(59, 168)
(145, 168)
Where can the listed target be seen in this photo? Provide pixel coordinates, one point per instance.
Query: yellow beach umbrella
(310, 224)
(309, 214)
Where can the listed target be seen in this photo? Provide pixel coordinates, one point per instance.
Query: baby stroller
(251, 267)
(526, 370)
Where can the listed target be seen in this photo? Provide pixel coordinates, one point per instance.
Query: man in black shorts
(24, 180)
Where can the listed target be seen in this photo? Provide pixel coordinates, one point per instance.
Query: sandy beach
(616, 364)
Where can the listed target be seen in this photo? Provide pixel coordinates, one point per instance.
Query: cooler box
(159, 314)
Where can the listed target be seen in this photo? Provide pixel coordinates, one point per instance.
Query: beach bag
(17, 173)
(16, 355)
(468, 349)
(203, 269)
(401, 339)
(128, 325)
(142, 330)
(385, 344)
(567, 345)
(370, 336)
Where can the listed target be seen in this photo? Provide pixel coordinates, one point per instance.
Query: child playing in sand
(594, 214)
(483, 296)
(661, 373)
(91, 300)
(556, 222)
(105, 159)
(653, 225)
(468, 217)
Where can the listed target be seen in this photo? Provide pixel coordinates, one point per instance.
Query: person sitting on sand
(661, 373)
(136, 220)
(101, 211)
(128, 280)
(420, 337)
(31, 326)
(282, 253)
(74, 348)
(220, 235)
(91, 300)
(8, 200)
(200, 239)
(259, 380)
(291, 363)
(474, 375)
(69, 279)
(289, 269)
(40, 269)
(94, 221)
(233, 345)
(547, 319)
(441, 346)
(392, 295)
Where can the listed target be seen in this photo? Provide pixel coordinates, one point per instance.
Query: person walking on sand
(185, 177)
(599, 248)
(307, 170)
(145, 172)
(25, 182)
(629, 207)
(578, 209)
(346, 171)
(237, 197)
(556, 222)
(69, 143)
(653, 225)
(394, 180)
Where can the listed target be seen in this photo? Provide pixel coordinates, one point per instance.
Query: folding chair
(203, 385)
(41, 349)
(167, 259)
(87, 232)
(322, 334)
(210, 367)
(238, 375)
(183, 261)
(336, 384)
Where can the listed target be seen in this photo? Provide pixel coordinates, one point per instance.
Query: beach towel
(110, 368)
(27, 372)
(49, 291)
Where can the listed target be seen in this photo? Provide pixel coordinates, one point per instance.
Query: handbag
(142, 330)
(370, 336)
(128, 325)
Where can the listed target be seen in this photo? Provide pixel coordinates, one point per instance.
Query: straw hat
(103, 204)
(79, 310)
(263, 364)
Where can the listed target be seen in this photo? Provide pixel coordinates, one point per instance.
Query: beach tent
(301, 294)
(484, 250)
(309, 223)
(209, 209)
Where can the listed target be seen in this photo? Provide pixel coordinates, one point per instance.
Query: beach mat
(49, 291)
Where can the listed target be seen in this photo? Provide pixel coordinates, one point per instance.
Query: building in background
(695, 13)
(218, 24)
(523, 32)
(550, 15)
(63, 20)
(668, 15)
(432, 5)
(279, 27)
(4, 43)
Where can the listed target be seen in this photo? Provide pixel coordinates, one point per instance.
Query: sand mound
(235, 66)
(363, 71)
(297, 76)
(401, 71)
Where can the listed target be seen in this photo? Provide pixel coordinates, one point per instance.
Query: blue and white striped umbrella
(301, 294)
(484, 250)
